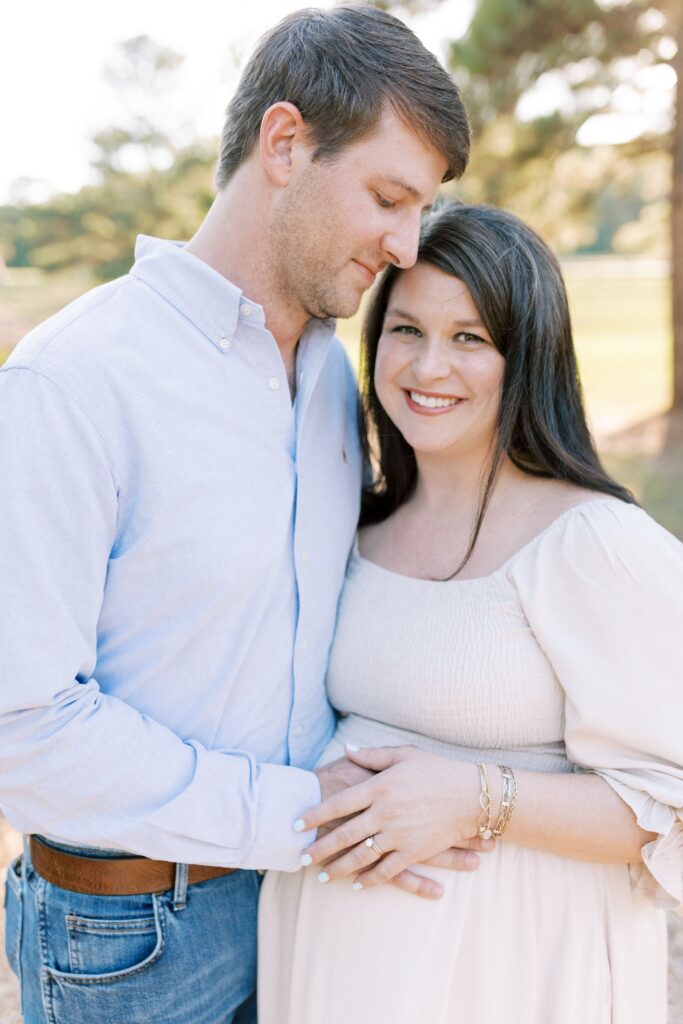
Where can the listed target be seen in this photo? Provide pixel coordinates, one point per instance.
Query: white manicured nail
(299, 825)
(323, 877)
(352, 747)
(306, 859)
(357, 886)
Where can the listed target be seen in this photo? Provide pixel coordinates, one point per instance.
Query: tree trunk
(677, 224)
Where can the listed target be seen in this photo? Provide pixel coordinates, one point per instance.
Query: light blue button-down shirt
(174, 535)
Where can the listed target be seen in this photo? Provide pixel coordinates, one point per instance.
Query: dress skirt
(529, 938)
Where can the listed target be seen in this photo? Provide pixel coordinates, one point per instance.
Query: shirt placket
(304, 554)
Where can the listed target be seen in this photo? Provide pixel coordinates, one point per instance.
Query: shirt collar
(206, 298)
(211, 302)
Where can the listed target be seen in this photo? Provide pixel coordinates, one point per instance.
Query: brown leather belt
(111, 876)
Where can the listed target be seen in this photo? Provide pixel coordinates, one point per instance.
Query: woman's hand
(419, 805)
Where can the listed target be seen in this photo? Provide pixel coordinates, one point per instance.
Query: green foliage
(567, 61)
(96, 227)
(511, 43)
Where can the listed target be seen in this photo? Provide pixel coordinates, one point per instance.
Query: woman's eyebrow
(403, 315)
(470, 323)
(394, 311)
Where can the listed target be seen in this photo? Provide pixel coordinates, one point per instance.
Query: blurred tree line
(146, 183)
(537, 77)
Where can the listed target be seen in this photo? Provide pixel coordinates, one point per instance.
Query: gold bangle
(513, 797)
(484, 830)
(508, 801)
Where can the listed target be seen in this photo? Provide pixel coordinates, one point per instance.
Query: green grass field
(623, 340)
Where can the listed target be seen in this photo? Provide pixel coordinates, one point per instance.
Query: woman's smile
(426, 403)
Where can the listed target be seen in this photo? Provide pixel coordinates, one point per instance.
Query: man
(181, 478)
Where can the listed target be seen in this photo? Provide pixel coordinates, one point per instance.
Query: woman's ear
(283, 132)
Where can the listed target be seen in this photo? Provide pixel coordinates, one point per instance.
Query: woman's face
(438, 374)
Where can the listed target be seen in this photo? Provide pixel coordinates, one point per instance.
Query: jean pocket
(107, 950)
(13, 915)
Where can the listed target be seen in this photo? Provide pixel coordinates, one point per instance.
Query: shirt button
(305, 645)
(245, 310)
(298, 730)
(224, 344)
(273, 383)
(305, 557)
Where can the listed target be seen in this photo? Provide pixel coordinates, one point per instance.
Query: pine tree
(591, 48)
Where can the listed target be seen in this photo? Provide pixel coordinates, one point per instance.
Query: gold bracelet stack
(485, 804)
(507, 806)
(508, 802)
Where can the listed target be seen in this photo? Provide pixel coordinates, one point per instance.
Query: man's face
(340, 221)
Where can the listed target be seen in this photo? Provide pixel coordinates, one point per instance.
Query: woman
(508, 605)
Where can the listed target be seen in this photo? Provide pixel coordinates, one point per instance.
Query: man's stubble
(306, 258)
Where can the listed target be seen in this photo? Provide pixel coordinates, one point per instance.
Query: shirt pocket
(13, 915)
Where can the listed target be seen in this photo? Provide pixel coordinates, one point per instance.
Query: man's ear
(283, 134)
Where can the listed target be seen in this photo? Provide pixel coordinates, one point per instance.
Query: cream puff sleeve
(602, 589)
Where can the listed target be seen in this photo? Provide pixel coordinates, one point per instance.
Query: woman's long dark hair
(516, 285)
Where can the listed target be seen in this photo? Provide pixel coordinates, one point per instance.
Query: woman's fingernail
(323, 877)
(352, 747)
(357, 885)
(299, 825)
(306, 859)
(472, 860)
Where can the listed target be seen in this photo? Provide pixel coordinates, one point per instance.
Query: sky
(53, 95)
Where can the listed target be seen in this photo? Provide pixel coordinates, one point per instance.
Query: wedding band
(370, 841)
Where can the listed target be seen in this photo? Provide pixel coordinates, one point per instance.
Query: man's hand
(339, 775)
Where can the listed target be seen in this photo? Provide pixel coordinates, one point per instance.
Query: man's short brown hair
(340, 67)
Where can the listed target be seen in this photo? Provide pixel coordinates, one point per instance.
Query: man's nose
(401, 243)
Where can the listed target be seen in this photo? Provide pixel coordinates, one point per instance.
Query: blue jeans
(186, 956)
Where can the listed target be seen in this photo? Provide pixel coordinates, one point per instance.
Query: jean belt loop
(25, 860)
(180, 889)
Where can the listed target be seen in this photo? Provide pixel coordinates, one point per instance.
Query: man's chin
(340, 309)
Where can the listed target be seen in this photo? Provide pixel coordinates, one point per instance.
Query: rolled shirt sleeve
(603, 595)
(77, 762)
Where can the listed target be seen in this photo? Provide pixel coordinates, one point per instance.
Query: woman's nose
(432, 364)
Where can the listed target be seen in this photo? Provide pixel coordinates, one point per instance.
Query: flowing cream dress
(568, 657)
